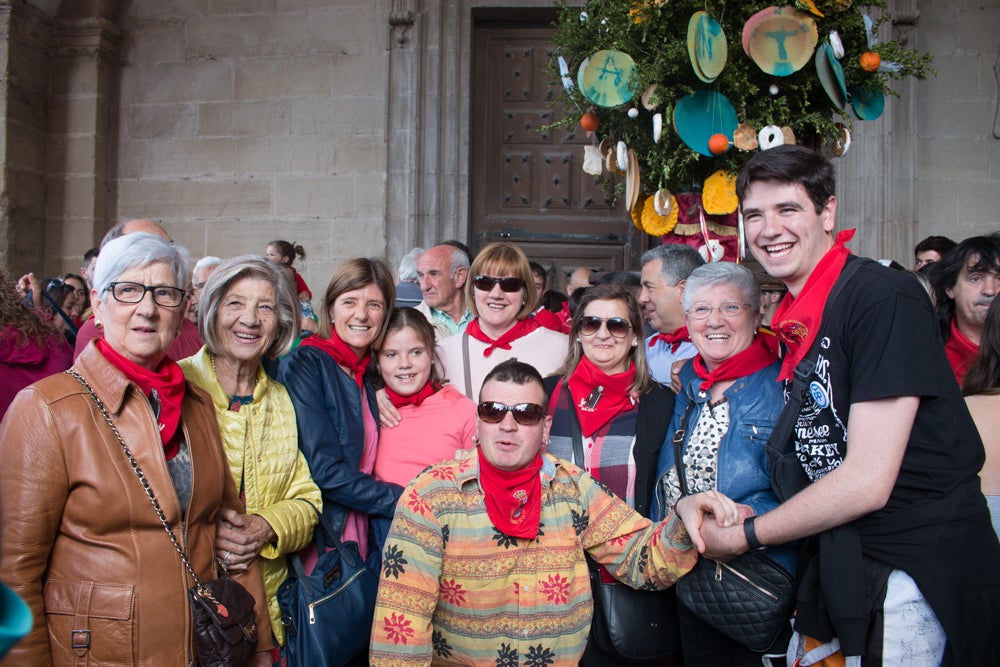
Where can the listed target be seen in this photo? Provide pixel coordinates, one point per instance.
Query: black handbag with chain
(749, 598)
(223, 620)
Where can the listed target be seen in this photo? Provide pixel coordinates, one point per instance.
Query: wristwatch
(748, 531)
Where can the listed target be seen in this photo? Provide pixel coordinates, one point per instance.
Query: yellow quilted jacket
(261, 445)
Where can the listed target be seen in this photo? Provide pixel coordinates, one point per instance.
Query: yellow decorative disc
(655, 224)
(719, 194)
(636, 212)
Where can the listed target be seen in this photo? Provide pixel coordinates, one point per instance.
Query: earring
(97, 323)
(635, 343)
(475, 439)
(577, 339)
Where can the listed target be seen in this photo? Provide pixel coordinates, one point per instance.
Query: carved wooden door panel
(527, 186)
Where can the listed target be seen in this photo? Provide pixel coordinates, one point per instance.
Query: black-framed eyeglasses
(727, 310)
(486, 283)
(617, 326)
(163, 295)
(526, 414)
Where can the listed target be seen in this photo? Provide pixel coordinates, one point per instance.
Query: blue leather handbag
(327, 613)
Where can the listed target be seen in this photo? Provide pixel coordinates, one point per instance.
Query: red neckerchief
(615, 399)
(741, 364)
(520, 329)
(961, 352)
(674, 339)
(797, 319)
(513, 498)
(398, 400)
(342, 353)
(167, 380)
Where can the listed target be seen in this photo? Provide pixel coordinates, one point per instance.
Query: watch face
(607, 78)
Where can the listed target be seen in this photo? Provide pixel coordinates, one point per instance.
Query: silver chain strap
(202, 590)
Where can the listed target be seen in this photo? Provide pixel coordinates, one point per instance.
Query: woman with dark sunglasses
(605, 394)
(501, 294)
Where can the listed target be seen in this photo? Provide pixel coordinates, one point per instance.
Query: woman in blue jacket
(335, 405)
(728, 404)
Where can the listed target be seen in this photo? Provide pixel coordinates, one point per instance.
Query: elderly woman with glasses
(728, 404)
(248, 311)
(501, 294)
(81, 542)
(606, 408)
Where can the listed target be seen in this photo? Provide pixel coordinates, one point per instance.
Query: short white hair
(138, 250)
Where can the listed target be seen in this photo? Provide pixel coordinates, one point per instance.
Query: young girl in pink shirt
(437, 421)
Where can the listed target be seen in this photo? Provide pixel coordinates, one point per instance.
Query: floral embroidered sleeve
(408, 588)
(632, 548)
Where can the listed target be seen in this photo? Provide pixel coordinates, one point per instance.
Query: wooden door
(528, 186)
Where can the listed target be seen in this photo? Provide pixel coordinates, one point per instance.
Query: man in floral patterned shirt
(484, 563)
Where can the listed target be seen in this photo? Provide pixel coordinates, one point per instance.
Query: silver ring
(225, 559)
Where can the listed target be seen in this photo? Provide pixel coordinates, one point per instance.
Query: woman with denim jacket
(728, 404)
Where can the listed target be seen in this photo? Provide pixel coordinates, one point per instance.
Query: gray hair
(250, 266)
(677, 261)
(138, 250)
(721, 273)
(206, 262)
(408, 265)
(459, 259)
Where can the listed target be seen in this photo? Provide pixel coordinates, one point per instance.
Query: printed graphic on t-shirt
(820, 434)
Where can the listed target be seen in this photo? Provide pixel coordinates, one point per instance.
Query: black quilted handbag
(748, 599)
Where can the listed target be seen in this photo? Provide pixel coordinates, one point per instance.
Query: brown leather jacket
(80, 540)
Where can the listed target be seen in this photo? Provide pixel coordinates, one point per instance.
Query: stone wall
(245, 121)
(958, 188)
(343, 125)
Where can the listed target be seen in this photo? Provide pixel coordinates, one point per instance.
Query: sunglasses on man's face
(617, 326)
(486, 283)
(526, 414)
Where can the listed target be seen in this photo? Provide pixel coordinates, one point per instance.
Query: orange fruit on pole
(870, 61)
(718, 144)
(589, 121)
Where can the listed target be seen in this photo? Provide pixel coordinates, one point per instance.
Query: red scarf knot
(513, 497)
(741, 364)
(520, 329)
(674, 339)
(167, 380)
(615, 397)
(343, 354)
(797, 319)
(415, 399)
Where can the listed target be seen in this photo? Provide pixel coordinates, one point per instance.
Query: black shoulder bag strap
(787, 476)
(680, 440)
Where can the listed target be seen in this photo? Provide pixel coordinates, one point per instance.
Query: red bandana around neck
(398, 400)
(741, 364)
(616, 397)
(520, 329)
(797, 319)
(167, 380)
(961, 352)
(674, 339)
(513, 498)
(342, 353)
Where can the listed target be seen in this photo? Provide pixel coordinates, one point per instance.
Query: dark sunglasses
(526, 414)
(617, 327)
(486, 283)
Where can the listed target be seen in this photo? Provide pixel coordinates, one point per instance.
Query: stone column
(81, 118)
(24, 70)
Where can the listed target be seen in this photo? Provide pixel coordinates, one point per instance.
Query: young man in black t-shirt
(900, 563)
